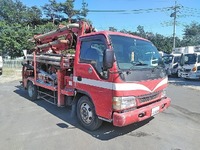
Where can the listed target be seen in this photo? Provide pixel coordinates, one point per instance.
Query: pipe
(69, 26)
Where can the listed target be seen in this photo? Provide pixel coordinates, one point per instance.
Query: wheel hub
(86, 113)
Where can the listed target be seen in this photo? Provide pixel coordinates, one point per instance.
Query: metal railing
(12, 63)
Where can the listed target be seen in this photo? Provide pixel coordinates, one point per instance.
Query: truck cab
(123, 76)
(172, 62)
(190, 66)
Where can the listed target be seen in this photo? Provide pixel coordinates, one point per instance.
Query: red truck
(106, 76)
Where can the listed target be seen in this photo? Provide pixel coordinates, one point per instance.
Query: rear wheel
(86, 114)
(32, 91)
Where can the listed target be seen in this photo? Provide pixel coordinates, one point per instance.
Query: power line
(134, 11)
(175, 12)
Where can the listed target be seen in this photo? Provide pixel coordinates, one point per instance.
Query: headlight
(120, 103)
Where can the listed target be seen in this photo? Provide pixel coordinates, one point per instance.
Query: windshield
(177, 59)
(167, 59)
(190, 58)
(134, 53)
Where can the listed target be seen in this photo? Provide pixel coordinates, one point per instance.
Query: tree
(112, 29)
(52, 10)
(191, 35)
(55, 10)
(161, 42)
(68, 8)
(14, 39)
(34, 15)
(16, 12)
(84, 10)
(12, 12)
(141, 31)
(16, 26)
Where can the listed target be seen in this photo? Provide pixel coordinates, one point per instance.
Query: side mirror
(108, 59)
(182, 60)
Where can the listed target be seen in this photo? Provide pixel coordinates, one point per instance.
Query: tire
(86, 114)
(176, 75)
(32, 91)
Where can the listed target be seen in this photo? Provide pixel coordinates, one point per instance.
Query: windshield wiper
(138, 63)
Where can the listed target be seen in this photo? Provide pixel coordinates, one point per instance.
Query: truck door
(89, 76)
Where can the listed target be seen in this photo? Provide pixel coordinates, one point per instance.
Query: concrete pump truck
(106, 76)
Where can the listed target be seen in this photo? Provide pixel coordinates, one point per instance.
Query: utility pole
(174, 23)
(174, 26)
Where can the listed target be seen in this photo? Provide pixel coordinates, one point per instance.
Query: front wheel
(86, 114)
(32, 91)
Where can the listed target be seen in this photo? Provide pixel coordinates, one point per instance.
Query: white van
(1, 65)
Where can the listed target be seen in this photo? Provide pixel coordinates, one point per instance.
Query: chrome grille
(187, 70)
(148, 97)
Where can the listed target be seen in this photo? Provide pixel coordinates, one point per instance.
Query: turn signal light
(194, 69)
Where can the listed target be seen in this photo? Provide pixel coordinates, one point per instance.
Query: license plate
(155, 111)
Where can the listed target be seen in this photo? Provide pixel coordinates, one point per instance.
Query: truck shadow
(106, 132)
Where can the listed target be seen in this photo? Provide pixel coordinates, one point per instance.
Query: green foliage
(12, 12)
(15, 12)
(14, 39)
(68, 8)
(33, 15)
(57, 11)
(141, 31)
(52, 10)
(112, 29)
(69, 51)
(84, 11)
(191, 35)
(161, 42)
(40, 29)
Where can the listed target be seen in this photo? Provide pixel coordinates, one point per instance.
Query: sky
(154, 15)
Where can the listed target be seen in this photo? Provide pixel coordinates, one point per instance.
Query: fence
(9, 63)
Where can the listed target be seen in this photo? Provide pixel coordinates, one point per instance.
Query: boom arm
(63, 38)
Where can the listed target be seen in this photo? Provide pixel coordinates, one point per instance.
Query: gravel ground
(10, 74)
(39, 125)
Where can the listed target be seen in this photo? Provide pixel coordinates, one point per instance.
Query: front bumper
(174, 71)
(190, 75)
(123, 119)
